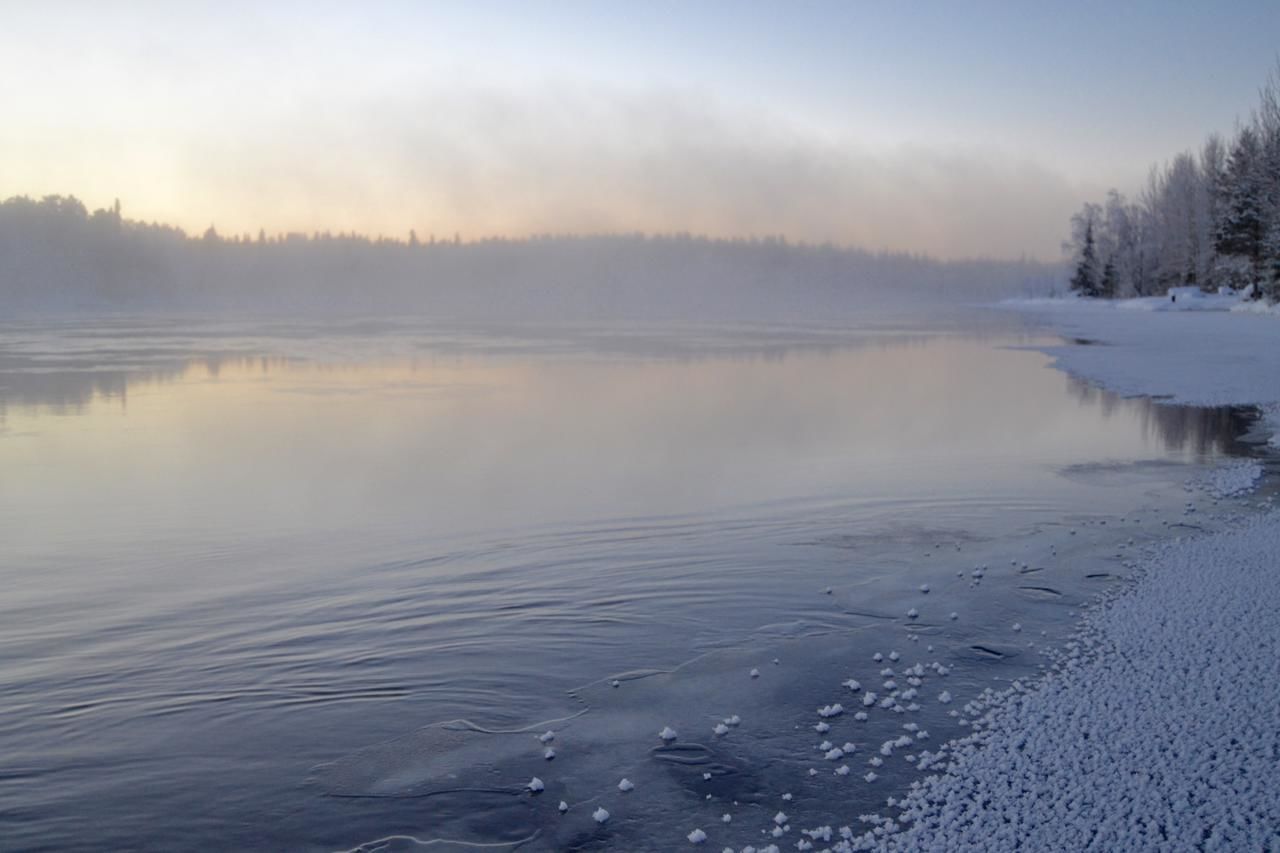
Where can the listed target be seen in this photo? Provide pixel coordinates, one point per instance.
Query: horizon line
(413, 240)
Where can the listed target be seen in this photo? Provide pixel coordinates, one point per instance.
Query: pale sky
(953, 128)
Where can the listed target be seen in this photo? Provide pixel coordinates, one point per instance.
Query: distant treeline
(1209, 219)
(55, 255)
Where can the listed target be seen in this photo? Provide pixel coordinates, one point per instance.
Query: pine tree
(1085, 280)
(1271, 266)
(1109, 285)
(1242, 229)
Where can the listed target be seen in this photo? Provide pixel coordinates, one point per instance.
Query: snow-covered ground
(1209, 357)
(1178, 299)
(1230, 479)
(1157, 730)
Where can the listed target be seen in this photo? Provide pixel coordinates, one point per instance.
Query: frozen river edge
(1157, 727)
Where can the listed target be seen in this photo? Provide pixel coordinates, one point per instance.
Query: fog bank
(56, 256)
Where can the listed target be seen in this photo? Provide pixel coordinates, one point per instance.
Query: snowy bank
(1178, 299)
(1157, 731)
(1230, 479)
(1157, 727)
(1196, 357)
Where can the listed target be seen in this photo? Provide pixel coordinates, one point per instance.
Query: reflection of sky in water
(228, 556)
(451, 440)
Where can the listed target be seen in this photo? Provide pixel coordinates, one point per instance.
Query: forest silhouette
(57, 256)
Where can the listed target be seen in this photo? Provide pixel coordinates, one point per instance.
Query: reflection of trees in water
(1199, 429)
(61, 385)
(64, 382)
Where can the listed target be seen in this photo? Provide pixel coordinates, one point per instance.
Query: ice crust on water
(1231, 479)
(1122, 745)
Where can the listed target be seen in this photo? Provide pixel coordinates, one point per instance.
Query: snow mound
(1256, 306)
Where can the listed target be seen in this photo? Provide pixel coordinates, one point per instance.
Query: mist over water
(57, 258)
(234, 551)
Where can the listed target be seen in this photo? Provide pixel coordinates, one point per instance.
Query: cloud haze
(584, 161)
(904, 126)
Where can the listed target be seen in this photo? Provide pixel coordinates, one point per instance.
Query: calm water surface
(239, 558)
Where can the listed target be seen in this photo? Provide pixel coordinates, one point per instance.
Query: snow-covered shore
(1157, 730)
(1219, 355)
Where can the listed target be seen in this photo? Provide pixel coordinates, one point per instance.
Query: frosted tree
(1178, 215)
(1109, 285)
(1208, 218)
(1268, 124)
(1213, 165)
(1243, 226)
(1119, 243)
(1271, 265)
(1085, 279)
